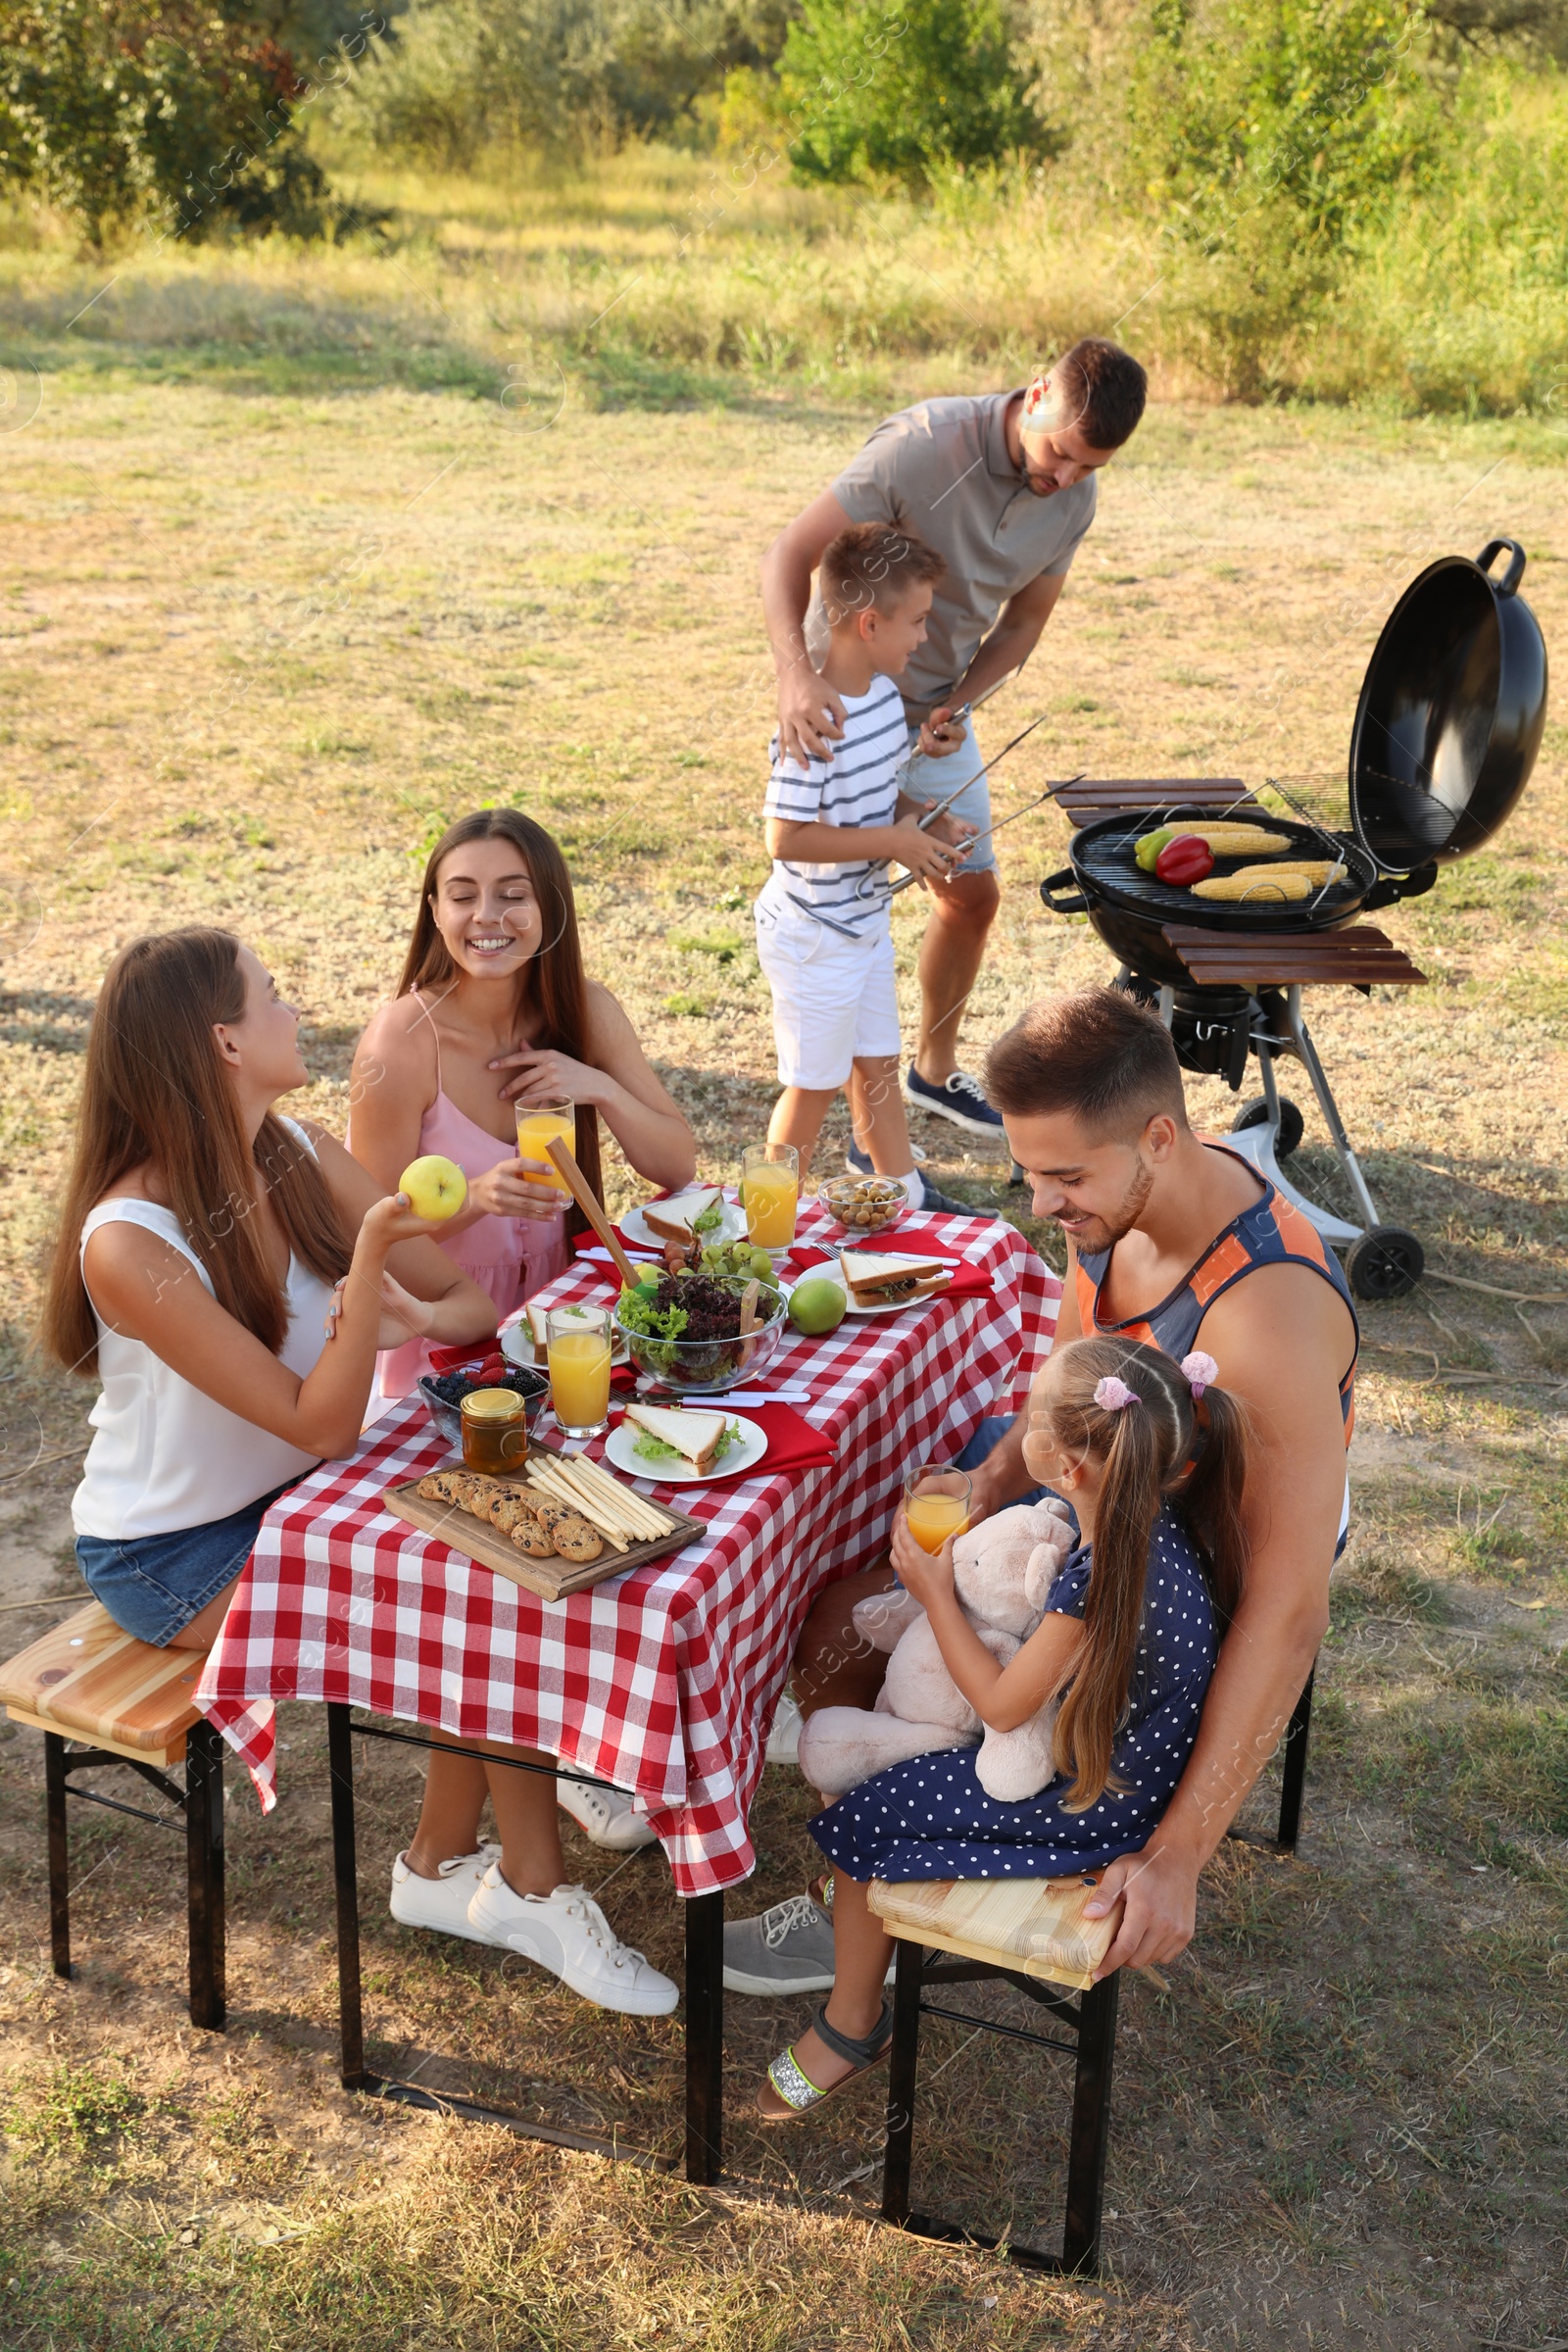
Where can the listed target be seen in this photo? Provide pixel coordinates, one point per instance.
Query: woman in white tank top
(228, 1276)
(204, 1270)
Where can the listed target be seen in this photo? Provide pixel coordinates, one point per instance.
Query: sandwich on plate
(676, 1220)
(669, 1435)
(874, 1279)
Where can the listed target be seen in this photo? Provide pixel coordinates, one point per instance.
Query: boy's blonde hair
(873, 567)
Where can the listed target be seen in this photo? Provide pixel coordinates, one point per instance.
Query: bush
(1275, 140)
(468, 74)
(120, 110)
(893, 94)
(1315, 107)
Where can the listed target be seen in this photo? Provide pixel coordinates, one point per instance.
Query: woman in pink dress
(494, 1011)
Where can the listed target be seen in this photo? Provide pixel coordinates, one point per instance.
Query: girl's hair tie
(1199, 1370)
(1111, 1394)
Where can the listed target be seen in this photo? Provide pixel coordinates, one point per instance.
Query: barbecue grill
(1447, 730)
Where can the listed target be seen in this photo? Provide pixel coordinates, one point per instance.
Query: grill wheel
(1255, 1114)
(1385, 1262)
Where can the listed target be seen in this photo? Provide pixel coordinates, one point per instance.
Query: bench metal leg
(1093, 2044)
(54, 1782)
(704, 2037)
(903, 2060)
(345, 1880)
(1295, 1780)
(204, 1865)
(1293, 1784)
(1091, 2126)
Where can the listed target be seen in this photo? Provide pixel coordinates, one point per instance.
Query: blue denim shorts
(153, 1586)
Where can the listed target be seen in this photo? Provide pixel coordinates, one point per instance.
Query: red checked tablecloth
(664, 1679)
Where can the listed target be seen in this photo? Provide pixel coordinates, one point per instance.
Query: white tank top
(165, 1456)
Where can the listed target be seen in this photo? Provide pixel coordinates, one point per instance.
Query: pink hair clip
(1111, 1394)
(1199, 1370)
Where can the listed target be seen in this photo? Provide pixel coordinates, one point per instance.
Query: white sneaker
(603, 1816)
(567, 1932)
(784, 1739)
(442, 1902)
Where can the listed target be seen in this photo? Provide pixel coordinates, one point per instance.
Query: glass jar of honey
(495, 1431)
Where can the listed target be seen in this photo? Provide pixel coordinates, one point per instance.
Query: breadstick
(610, 1524)
(628, 1507)
(561, 1488)
(637, 1507)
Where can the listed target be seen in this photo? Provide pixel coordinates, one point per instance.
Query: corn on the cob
(1236, 841)
(1256, 890)
(1316, 870)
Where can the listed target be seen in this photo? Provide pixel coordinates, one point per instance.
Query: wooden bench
(101, 1698)
(1031, 1934)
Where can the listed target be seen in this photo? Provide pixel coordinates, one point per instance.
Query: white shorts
(834, 998)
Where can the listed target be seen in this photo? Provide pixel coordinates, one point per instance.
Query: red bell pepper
(1184, 860)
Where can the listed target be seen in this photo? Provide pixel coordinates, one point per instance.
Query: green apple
(435, 1187)
(817, 1306)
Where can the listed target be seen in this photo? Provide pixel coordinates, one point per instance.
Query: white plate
(621, 1449)
(834, 1273)
(731, 1226)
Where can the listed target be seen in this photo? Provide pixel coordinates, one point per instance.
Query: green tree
(1314, 110)
(895, 91)
(185, 116)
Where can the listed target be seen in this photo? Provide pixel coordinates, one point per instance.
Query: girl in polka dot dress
(1153, 1456)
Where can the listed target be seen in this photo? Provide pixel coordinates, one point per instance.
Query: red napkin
(791, 1442)
(448, 1359)
(968, 1282)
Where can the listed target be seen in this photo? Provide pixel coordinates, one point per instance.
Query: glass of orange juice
(577, 1344)
(770, 1192)
(542, 1124)
(935, 1503)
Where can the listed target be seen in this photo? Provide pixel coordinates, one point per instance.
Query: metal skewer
(941, 808)
(1001, 825)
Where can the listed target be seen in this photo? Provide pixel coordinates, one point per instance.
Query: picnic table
(663, 1680)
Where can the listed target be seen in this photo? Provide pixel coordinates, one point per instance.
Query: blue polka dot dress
(929, 1818)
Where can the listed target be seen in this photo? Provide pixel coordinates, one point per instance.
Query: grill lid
(1451, 715)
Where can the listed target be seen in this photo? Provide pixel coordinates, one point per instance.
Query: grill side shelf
(1360, 956)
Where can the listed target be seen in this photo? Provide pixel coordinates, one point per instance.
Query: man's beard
(1090, 1241)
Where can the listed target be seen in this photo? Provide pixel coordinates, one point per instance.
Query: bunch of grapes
(740, 1258)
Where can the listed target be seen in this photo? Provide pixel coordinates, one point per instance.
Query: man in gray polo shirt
(1002, 486)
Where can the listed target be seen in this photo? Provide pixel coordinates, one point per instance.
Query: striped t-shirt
(858, 786)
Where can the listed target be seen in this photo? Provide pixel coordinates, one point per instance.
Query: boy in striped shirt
(833, 827)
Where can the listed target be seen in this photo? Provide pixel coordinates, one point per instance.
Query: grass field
(269, 620)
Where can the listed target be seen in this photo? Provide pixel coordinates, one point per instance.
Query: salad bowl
(690, 1352)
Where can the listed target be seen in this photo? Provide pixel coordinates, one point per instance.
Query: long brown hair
(1147, 1454)
(155, 1090)
(553, 981)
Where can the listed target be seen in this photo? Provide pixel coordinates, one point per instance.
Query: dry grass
(258, 643)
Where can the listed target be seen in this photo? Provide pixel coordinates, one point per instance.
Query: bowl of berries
(443, 1392)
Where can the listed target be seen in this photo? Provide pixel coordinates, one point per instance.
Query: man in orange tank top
(1177, 1240)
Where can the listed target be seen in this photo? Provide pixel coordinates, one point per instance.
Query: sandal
(789, 2081)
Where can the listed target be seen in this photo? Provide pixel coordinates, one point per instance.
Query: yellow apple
(436, 1188)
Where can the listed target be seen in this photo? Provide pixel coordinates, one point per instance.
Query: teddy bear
(1003, 1570)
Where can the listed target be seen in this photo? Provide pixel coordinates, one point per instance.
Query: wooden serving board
(552, 1580)
(1034, 1926)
